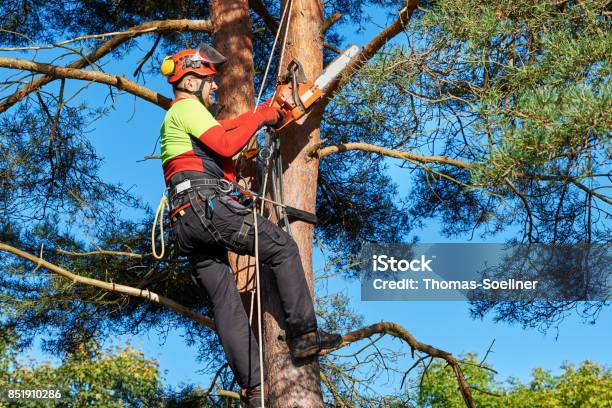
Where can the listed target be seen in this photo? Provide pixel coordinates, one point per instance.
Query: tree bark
(236, 94)
(291, 384)
(287, 384)
(233, 38)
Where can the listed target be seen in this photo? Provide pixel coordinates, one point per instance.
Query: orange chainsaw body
(295, 104)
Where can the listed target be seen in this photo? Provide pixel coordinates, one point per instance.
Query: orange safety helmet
(200, 62)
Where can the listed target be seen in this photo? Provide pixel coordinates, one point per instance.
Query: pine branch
(317, 151)
(100, 252)
(339, 401)
(260, 9)
(399, 332)
(370, 49)
(330, 21)
(53, 71)
(112, 287)
(164, 26)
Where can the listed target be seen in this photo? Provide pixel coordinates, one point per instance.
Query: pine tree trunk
(233, 39)
(287, 385)
(291, 385)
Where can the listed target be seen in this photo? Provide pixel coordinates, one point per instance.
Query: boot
(313, 343)
(251, 397)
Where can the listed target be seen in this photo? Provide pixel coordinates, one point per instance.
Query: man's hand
(271, 117)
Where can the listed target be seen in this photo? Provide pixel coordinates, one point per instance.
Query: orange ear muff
(167, 66)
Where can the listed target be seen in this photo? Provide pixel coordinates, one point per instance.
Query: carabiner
(225, 186)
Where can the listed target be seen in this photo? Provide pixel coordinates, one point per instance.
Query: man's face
(193, 83)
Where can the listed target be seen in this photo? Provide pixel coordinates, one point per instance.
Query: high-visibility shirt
(193, 140)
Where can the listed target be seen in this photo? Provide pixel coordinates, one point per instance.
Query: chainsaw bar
(295, 94)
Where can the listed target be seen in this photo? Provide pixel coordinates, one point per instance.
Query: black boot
(251, 397)
(313, 343)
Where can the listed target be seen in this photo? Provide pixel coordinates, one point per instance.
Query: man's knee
(288, 252)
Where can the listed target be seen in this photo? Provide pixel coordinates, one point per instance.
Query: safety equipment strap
(202, 215)
(198, 93)
(239, 240)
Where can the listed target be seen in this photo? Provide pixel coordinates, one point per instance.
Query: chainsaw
(295, 94)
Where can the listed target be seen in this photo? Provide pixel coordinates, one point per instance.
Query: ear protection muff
(167, 66)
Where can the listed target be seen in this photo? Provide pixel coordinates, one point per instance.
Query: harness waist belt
(220, 185)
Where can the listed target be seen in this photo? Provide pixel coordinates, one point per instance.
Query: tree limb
(339, 401)
(53, 71)
(317, 151)
(112, 287)
(163, 26)
(370, 49)
(75, 39)
(100, 252)
(147, 56)
(330, 21)
(258, 7)
(573, 181)
(399, 332)
(228, 394)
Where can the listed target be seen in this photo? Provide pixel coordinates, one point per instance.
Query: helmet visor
(208, 54)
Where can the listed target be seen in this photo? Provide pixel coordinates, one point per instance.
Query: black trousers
(212, 273)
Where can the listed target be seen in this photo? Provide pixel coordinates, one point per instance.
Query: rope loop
(159, 215)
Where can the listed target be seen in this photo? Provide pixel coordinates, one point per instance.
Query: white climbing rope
(259, 313)
(159, 215)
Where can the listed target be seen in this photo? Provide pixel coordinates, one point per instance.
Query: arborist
(196, 151)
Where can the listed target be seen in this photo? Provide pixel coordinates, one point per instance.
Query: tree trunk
(233, 38)
(291, 385)
(287, 385)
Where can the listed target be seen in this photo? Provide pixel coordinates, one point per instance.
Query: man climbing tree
(196, 155)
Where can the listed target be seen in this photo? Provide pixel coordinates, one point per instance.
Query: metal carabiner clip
(265, 153)
(225, 186)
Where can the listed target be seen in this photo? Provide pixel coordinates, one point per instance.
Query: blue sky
(130, 132)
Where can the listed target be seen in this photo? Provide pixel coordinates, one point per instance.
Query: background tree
(88, 377)
(498, 111)
(586, 385)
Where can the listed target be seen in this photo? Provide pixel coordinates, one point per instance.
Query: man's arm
(199, 123)
(229, 124)
(227, 143)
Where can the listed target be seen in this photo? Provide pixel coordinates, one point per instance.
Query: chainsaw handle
(295, 68)
(295, 89)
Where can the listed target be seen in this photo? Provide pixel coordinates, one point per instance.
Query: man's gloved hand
(270, 116)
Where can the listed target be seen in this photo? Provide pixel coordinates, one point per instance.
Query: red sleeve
(227, 143)
(229, 124)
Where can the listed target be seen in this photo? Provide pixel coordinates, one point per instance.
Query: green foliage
(535, 79)
(90, 377)
(519, 92)
(587, 386)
